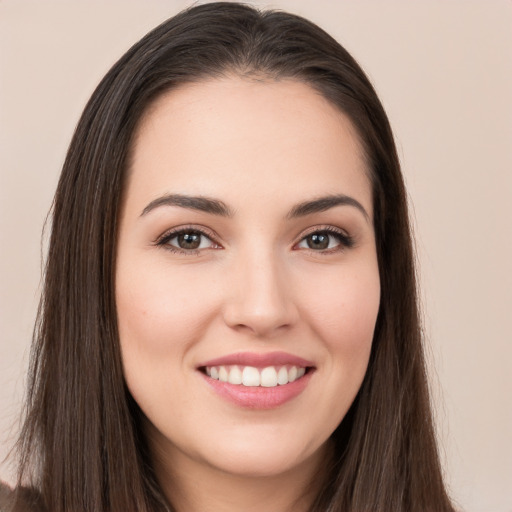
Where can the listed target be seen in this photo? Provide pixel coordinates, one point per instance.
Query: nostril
(258, 321)
(260, 302)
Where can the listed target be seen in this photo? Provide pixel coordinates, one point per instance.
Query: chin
(267, 458)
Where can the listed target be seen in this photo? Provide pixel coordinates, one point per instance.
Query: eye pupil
(189, 240)
(318, 241)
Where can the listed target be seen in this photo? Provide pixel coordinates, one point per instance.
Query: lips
(259, 360)
(257, 381)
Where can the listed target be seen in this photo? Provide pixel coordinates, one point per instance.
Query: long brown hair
(82, 445)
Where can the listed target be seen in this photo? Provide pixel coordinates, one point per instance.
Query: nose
(260, 301)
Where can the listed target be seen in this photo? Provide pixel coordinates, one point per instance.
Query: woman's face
(247, 283)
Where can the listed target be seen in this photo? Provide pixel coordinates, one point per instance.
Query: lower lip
(259, 397)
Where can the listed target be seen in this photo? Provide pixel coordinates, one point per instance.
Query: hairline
(252, 76)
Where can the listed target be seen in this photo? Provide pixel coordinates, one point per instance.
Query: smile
(250, 376)
(257, 381)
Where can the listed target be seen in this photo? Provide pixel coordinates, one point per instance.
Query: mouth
(251, 376)
(258, 381)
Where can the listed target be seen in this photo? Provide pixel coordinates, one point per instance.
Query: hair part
(82, 444)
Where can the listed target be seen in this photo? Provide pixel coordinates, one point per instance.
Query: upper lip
(258, 360)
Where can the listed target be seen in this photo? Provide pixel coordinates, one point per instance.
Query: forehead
(224, 135)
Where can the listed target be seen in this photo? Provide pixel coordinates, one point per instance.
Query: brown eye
(189, 240)
(326, 240)
(318, 241)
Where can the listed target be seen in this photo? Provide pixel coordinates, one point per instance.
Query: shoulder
(5, 496)
(27, 499)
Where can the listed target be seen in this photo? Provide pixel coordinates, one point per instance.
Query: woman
(229, 319)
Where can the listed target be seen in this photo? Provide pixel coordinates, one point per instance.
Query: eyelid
(171, 233)
(346, 240)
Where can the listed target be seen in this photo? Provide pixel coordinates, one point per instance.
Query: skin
(260, 147)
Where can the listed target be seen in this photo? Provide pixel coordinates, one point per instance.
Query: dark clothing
(28, 500)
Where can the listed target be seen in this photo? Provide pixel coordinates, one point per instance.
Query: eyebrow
(217, 207)
(323, 204)
(199, 203)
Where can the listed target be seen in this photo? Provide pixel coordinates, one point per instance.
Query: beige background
(444, 72)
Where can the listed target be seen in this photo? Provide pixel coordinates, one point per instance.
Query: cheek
(159, 319)
(158, 311)
(344, 302)
(342, 308)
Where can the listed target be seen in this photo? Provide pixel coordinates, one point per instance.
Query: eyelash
(163, 241)
(345, 240)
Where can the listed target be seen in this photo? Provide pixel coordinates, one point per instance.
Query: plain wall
(443, 70)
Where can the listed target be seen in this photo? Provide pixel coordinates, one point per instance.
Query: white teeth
(282, 376)
(250, 376)
(223, 374)
(269, 377)
(235, 375)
